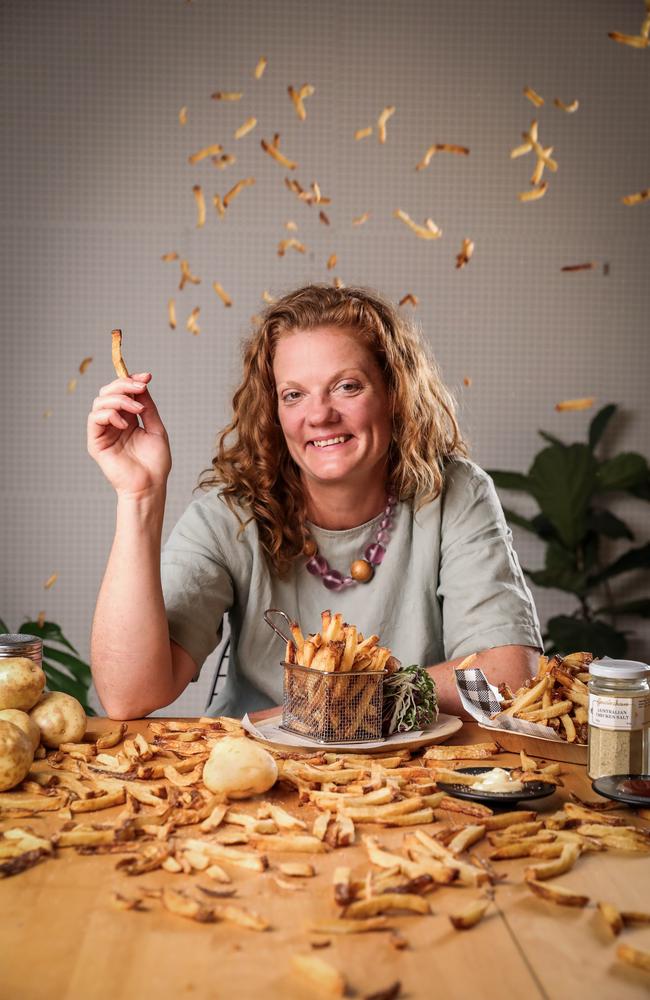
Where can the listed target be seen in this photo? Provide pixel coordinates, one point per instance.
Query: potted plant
(571, 485)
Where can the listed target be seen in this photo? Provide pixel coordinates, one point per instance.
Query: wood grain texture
(62, 938)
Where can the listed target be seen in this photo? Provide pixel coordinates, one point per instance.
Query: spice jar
(619, 717)
(15, 644)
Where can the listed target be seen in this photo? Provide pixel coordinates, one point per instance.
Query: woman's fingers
(105, 417)
(118, 403)
(136, 384)
(149, 415)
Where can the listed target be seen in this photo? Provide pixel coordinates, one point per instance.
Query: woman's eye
(349, 386)
(290, 397)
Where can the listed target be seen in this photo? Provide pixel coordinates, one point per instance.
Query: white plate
(445, 726)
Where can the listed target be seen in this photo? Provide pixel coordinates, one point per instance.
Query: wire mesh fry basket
(331, 707)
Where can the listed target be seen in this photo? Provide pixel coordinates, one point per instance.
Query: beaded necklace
(362, 570)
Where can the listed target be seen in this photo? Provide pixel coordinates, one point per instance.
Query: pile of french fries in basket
(337, 647)
(557, 696)
(340, 705)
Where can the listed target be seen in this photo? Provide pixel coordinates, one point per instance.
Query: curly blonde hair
(254, 469)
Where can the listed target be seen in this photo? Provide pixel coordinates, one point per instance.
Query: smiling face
(333, 407)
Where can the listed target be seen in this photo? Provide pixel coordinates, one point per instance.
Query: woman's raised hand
(135, 460)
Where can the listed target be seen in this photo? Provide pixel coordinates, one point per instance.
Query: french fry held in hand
(557, 696)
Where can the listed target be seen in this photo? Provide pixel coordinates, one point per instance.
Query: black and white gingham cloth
(482, 701)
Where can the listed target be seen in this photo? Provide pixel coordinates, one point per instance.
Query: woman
(341, 482)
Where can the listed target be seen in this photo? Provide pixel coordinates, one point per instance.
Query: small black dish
(531, 789)
(609, 784)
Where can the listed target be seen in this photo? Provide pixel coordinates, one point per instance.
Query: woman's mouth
(331, 442)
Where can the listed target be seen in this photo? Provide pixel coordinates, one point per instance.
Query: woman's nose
(321, 410)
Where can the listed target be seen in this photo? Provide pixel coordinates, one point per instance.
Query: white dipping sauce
(497, 780)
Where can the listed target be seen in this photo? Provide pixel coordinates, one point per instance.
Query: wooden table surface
(62, 938)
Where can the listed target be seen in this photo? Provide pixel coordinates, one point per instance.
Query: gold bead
(310, 548)
(361, 571)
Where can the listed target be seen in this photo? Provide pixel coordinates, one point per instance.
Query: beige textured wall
(97, 187)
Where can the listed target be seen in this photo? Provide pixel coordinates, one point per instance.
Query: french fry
(575, 404)
(534, 194)
(276, 155)
(222, 293)
(386, 902)
(471, 915)
(533, 97)
(634, 956)
(342, 926)
(245, 128)
(197, 191)
(297, 869)
(429, 231)
(363, 133)
(234, 191)
(204, 153)
(634, 41)
(570, 108)
(612, 917)
(556, 894)
(465, 254)
(475, 751)
(227, 95)
(260, 67)
(298, 97)
(116, 353)
(319, 975)
(381, 123)
(639, 196)
(551, 869)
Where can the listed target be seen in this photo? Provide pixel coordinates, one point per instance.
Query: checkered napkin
(482, 700)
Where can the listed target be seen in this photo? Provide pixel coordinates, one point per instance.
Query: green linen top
(450, 584)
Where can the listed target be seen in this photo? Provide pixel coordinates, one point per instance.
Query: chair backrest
(222, 669)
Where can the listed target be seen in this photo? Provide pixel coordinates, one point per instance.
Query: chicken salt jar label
(619, 717)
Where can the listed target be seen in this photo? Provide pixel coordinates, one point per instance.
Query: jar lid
(18, 644)
(623, 669)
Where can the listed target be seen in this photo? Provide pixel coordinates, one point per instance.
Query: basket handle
(279, 632)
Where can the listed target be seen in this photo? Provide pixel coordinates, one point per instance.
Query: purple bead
(317, 565)
(333, 580)
(349, 581)
(388, 511)
(375, 553)
(391, 500)
(386, 522)
(383, 536)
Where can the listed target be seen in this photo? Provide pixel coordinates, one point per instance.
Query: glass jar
(619, 717)
(18, 644)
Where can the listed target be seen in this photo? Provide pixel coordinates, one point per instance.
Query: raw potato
(21, 683)
(238, 767)
(16, 755)
(60, 718)
(24, 722)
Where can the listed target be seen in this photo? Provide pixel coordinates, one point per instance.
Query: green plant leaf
(638, 558)
(512, 517)
(560, 572)
(58, 681)
(551, 440)
(49, 630)
(624, 472)
(640, 608)
(562, 480)
(599, 423)
(79, 669)
(642, 491)
(568, 635)
(4, 628)
(603, 522)
(510, 480)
